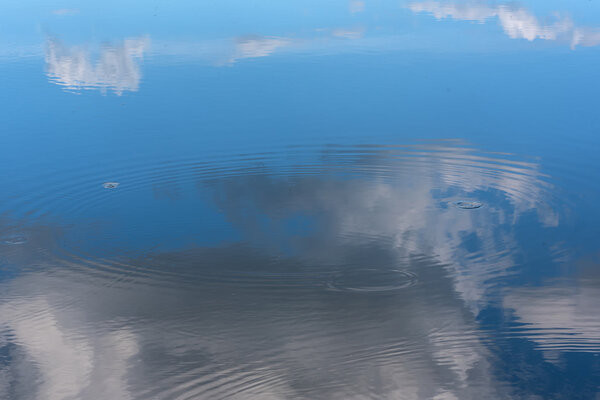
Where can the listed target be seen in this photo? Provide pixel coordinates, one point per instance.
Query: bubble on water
(110, 185)
(14, 239)
(467, 205)
(371, 280)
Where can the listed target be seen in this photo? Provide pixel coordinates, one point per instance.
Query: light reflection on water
(348, 200)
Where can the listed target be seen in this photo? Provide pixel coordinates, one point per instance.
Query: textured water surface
(299, 200)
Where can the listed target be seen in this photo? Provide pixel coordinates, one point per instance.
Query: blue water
(299, 200)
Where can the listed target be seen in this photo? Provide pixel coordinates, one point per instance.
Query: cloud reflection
(516, 21)
(407, 206)
(77, 338)
(559, 319)
(115, 69)
(69, 365)
(254, 46)
(356, 6)
(257, 316)
(355, 33)
(65, 11)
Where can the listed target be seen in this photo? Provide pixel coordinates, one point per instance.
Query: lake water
(351, 199)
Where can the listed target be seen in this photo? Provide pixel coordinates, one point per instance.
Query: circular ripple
(457, 165)
(372, 280)
(14, 239)
(467, 205)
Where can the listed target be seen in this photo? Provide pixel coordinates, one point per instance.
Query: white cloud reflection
(516, 21)
(65, 11)
(355, 33)
(586, 37)
(116, 67)
(254, 46)
(70, 365)
(559, 319)
(356, 6)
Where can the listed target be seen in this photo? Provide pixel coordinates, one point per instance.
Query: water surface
(298, 200)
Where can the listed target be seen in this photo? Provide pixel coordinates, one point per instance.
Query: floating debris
(110, 185)
(14, 239)
(468, 205)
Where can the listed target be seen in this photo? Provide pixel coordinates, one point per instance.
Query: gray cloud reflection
(407, 206)
(559, 318)
(297, 306)
(116, 67)
(95, 339)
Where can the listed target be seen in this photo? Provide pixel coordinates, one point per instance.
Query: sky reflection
(282, 221)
